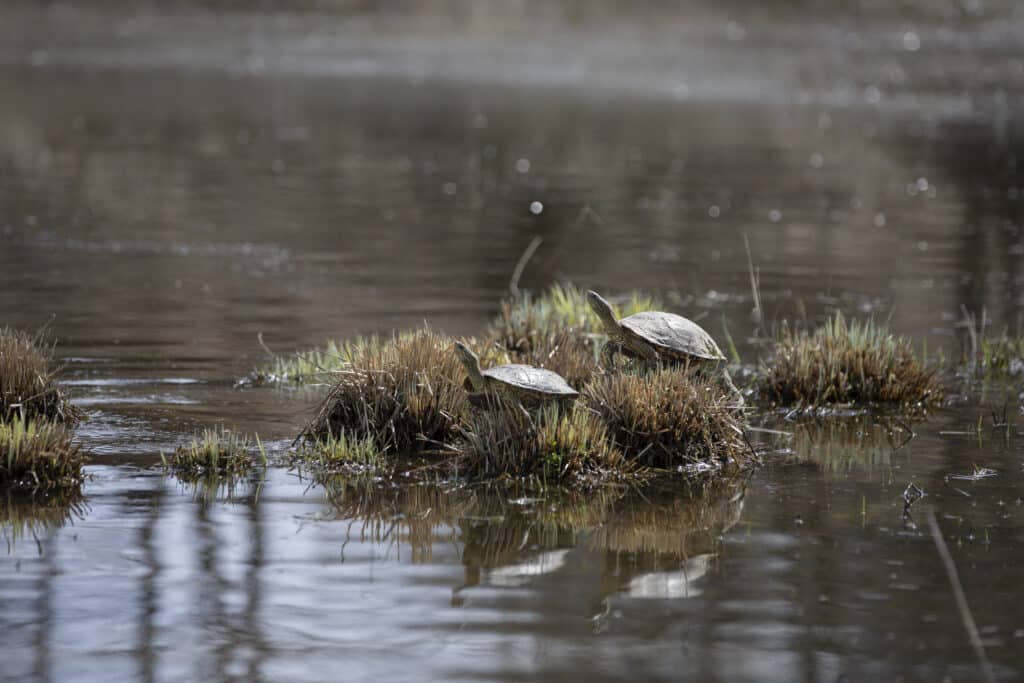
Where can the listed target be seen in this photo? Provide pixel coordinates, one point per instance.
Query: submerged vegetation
(36, 455)
(27, 385)
(217, 453)
(846, 362)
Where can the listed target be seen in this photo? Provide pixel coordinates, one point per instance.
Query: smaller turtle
(525, 383)
(658, 336)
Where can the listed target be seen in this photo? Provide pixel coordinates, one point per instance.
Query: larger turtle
(524, 383)
(658, 336)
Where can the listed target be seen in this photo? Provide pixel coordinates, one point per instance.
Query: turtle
(525, 383)
(658, 336)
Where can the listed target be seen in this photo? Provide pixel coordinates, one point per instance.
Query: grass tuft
(342, 454)
(529, 323)
(669, 417)
(27, 385)
(38, 456)
(404, 394)
(217, 453)
(553, 444)
(846, 362)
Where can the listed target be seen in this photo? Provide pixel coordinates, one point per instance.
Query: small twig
(513, 284)
(961, 599)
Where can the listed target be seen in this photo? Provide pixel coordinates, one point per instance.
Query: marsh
(178, 183)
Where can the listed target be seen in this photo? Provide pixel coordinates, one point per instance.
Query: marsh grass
(846, 362)
(27, 385)
(530, 324)
(405, 394)
(216, 456)
(36, 455)
(314, 365)
(554, 444)
(344, 453)
(669, 417)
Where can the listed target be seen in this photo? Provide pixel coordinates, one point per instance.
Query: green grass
(315, 365)
(558, 330)
(669, 417)
(846, 362)
(343, 453)
(38, 456)
(27, 385)
(216, 453)
(998, 357)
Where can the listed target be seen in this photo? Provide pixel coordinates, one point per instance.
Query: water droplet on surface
(714, 211)
(523, 165)
(536, 208)
(816, 160)
(872, 94)
(911, 42)
(775, 215)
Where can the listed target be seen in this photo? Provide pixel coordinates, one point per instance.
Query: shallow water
(164, 208)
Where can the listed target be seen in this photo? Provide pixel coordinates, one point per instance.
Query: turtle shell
(530, 379)
(673, 335)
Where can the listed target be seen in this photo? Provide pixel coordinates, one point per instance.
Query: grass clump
(342, 454)
(217, 453)
(36, 455)
(669, 417)
(552, 445)
(312, 365)
(27, 385)
(404, 394)
(846, 362)
(530, 323)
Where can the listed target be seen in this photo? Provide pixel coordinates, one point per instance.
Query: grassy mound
(404, 394)
(27, 386)
(217, 453)
(553, 444)
(846, 363)
(669, 417)
(38, 456)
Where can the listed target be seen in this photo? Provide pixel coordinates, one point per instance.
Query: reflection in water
(649, 543)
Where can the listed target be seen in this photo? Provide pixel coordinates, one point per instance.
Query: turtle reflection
(605, 542)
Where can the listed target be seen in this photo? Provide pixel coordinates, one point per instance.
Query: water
(166, 207)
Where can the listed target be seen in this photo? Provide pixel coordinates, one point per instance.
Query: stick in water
(961, 599)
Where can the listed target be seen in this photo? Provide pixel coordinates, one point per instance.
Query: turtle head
(603, 309)
(472, 364)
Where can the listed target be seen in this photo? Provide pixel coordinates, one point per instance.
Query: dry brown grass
(405, 394)
(554, 444)
(845, 362)
(27, 385)
(669, 417)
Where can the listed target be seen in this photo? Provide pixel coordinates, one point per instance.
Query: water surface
(165, 208)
